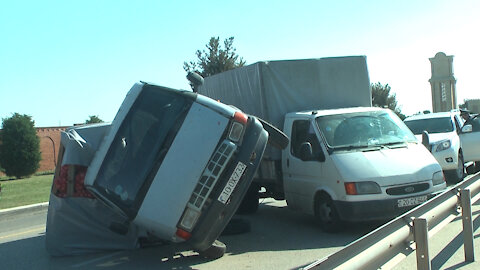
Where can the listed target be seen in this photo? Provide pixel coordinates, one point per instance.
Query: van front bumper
(374, 210)
(216, 216)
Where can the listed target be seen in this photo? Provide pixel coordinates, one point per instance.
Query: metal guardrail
(391, 243)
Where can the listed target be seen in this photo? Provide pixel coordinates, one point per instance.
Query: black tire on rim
(215, 251)
(249, 204)
(460, 172)
(457, 175)
(327, 214)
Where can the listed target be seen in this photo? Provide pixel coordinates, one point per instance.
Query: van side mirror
(195, 80)
(426, 140)
(467, 128)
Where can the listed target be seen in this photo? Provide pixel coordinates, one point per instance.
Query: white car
(470, 138)
(450, 142)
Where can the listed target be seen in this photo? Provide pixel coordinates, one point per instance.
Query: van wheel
(215, 251)
(327, 214)
(457, 175)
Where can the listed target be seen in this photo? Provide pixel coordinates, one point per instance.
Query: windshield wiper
(395, 144)
(360, 146)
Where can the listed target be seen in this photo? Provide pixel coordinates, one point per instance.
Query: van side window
(302, 131)
(475, 122)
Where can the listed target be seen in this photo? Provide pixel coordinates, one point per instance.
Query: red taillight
(183, 234)
(240, 117)
(350, 189)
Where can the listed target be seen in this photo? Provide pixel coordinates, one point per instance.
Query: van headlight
(443, 145)
(361, 188)
(438, 178)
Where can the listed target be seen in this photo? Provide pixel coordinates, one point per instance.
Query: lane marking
(34, 230)
(98, 259)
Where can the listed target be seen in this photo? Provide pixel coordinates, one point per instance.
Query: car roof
(317, 113)
(429, 116)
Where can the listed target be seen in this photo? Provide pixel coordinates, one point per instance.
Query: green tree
(381, 97)
(93, 119)
(20, 147)
(215, 59)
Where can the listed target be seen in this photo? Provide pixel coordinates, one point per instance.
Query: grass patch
(35, 189)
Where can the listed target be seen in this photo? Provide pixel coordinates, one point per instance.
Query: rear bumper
(217, 215)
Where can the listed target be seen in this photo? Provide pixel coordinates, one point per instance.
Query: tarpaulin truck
(173, 163)
(346, 161)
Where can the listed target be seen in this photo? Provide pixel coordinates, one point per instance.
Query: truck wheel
(237, 226)
(457, 175)
(215, 251)
(327, 214)
(249, 204)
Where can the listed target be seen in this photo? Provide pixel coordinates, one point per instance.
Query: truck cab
(355, 164)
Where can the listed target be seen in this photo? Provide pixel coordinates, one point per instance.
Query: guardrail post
(467, 222)
(420, 228)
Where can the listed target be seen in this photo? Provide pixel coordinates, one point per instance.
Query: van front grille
(210, 175)
(408, 189)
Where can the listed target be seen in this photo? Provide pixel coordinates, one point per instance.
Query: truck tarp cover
(77, 225)
(271, 89)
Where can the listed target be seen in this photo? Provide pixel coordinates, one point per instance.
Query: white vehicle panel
(387, 166)
(450, 153)
(471, 145)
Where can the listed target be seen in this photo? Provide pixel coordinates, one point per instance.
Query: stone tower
(444, 93)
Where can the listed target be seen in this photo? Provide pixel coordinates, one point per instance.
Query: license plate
(411, 201)
(232, 182)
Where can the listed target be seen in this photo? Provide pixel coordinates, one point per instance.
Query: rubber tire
(215, 251)
(456, 176)
(327, 215)
(250, 202)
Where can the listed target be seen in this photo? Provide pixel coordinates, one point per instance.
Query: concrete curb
(4, 213)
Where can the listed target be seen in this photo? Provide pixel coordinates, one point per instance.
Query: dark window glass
(431, 125)
(140, 142)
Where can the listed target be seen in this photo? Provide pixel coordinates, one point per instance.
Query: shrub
(20, 146)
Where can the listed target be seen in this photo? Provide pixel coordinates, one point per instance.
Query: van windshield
(141, 143)
(431, 125)
(363, 129)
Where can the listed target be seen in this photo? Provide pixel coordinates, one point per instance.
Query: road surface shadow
(273, 228)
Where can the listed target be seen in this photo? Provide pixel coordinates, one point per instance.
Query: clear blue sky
(62, 61)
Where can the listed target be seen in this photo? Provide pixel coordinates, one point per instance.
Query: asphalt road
(279, 239)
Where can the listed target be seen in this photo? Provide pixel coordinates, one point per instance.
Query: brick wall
(49, 145)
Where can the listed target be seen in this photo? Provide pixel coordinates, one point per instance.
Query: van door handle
(288, 162)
